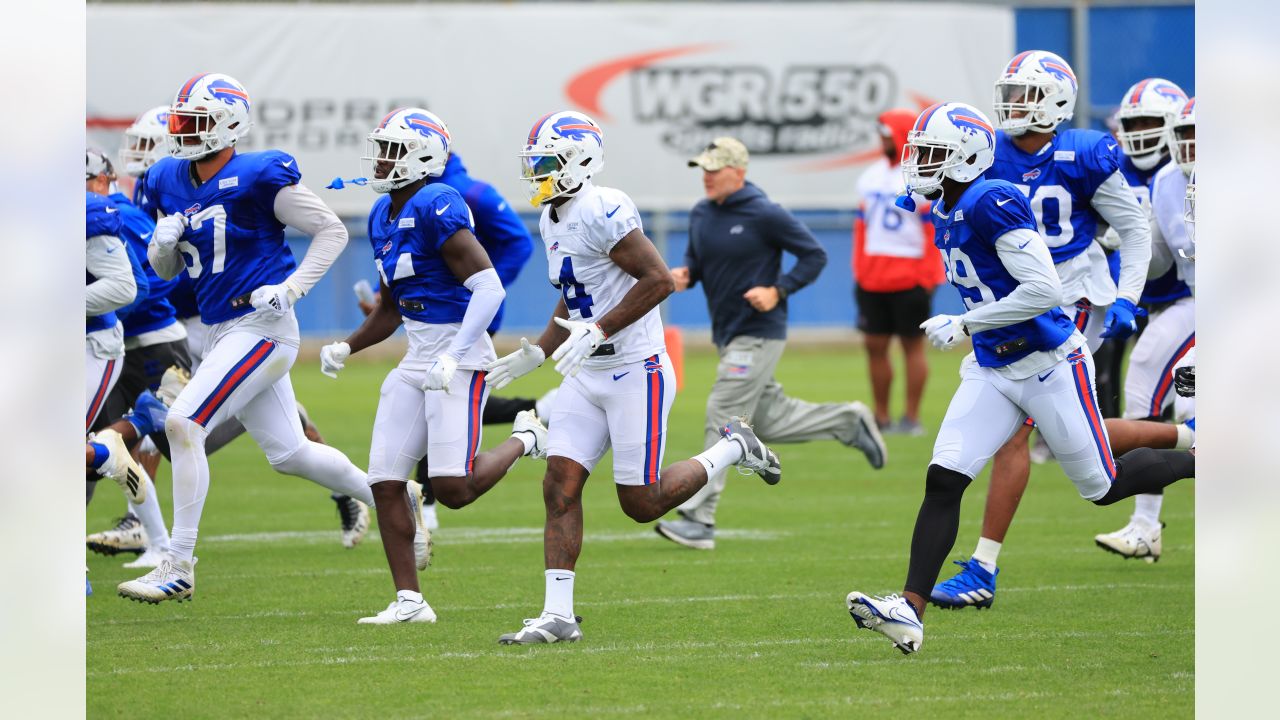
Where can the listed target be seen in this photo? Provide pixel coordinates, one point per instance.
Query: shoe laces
(957, 582)
(347, 511)
(128, 522)
(158, 573)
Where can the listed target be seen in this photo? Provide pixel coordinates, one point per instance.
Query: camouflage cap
(722, 152)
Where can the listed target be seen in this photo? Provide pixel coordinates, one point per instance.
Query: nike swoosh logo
(1110, 147)
(1000, 203)
(144, 237)
(1045, 376)
(619, 377)
(563, 578)
(446, 207)
(286, 164)
(502, 206)
(111, 209)
(611, 212)
(408, 616)
(1024, 244)
(110, 250)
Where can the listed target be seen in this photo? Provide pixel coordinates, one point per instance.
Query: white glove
(275, 299)
(440, 374)
(1110, 239)
(509, 367)
(944, 331)
(584, 338)
(333, 357)
(168, 232)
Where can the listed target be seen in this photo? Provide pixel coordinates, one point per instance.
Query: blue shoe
(148, 414)
(88, 589)
(971, 586)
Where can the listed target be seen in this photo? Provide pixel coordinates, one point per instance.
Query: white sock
(1146, 508)
(1186, 437)
(152, 521)
(183, 543)
(559, 593)
(190, 482)
(327, 466)
(409, 596)
(526, 439)
(987, 553)
(719, 457)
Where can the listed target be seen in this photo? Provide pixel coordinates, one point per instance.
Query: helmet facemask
(1184, 147)
(1144, 138)
(139, 151)
(1024, 105)
(391, 163)
(926, 161)
(195, 133)
(1189, 211)
(551, 176)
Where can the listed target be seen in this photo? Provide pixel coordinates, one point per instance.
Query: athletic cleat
(149, 559)
(527, 422)
(354, 516)
(756, 456)
(127, 536)
(891, 616)
(971, 586)
(401, 611)
(1135, 540)
(430, 516)
(172, 383)
(689, 533)
(148, 414)
(172, 580)
(121, 467)
(908, 427)
(423, 545)
(546, 628)
(866, 436)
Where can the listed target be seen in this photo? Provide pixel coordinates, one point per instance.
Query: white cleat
(173, 579)
(401, 611)
(149, 559)
(891, 616)
(172, 383)
(430, 516)
(354, 516)
(1135, 540)
(527, 423)
(547, 628)
(422, 543)
(756, 456)
(127, 536)
(121, 467)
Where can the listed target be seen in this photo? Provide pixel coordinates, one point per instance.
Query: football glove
(168, 232)
(275, 299)
(440, 373)
(333, 357)
(1122, 319)
(944, 331)
(509, 367)
(584, 338)
(1184, 374)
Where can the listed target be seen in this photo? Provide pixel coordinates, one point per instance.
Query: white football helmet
(1145, 141)
(1183, 137)
(562, 152)
(144, 141)
(1037, 93)
(209, 113)
(950, 140)
(96, 163)
(408, 145)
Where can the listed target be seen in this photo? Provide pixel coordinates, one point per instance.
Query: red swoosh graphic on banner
(862, 156)
(585, 87)
(108, 123)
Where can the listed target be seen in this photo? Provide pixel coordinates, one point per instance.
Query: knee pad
(944, 481)
(182, 431)
(291, 464)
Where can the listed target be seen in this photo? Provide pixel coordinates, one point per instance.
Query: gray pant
(745, 386)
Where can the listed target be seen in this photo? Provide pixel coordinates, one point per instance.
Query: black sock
(1147, 471)
(936, 527)
(501, 410)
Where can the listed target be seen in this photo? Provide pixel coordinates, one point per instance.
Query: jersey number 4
(580, 300)
(219, 217)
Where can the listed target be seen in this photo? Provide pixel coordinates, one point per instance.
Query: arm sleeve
(140, 280)
(299, 208)
(788, 233)
(1161, 255)
(1115, 202)
(114, 287)
(1039, 288)
(486, 297)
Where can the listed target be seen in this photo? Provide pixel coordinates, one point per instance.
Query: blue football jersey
(100, 219)
(967, 236)
(234, 243)
(406, 252)
(154, 311)
(1167, 287)
(1060, 181)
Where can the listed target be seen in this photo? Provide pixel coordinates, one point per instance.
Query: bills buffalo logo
(228, 93)
(192, 210)
(971, 124)
(652, 366)
(1189, 109)
(425, 126)
(162, 118)
(1169, 92)
(570, 126)
(1031, 175)
(1058, 68)
(555, 246)
(386, 248)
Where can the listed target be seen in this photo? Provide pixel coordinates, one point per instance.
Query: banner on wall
(800, 84)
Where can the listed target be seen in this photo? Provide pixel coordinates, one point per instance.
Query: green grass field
(755, 628)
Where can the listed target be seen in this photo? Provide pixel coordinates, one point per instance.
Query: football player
(437, 281)
(1072, 178)
(1029, 358)
(608, 343)
(1151, 112)
(222, 219)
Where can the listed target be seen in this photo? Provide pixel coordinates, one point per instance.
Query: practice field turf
(755, 628)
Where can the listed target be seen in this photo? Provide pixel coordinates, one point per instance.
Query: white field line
(476, 536)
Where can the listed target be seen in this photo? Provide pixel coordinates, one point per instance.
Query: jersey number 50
(1051, 204)
(219, 217)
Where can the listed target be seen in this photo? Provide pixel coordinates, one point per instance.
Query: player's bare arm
(377, 326)
(553, 334)
(637, 256)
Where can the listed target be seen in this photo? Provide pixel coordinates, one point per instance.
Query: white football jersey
(890, 231)
(1168, 204)
(578, 242)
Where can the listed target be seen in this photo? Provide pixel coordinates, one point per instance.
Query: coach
(736, 240)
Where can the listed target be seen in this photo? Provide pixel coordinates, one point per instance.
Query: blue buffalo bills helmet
(408, 145)
(1037, 92)
(948, 140)
(209, 113)
(563, 150)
